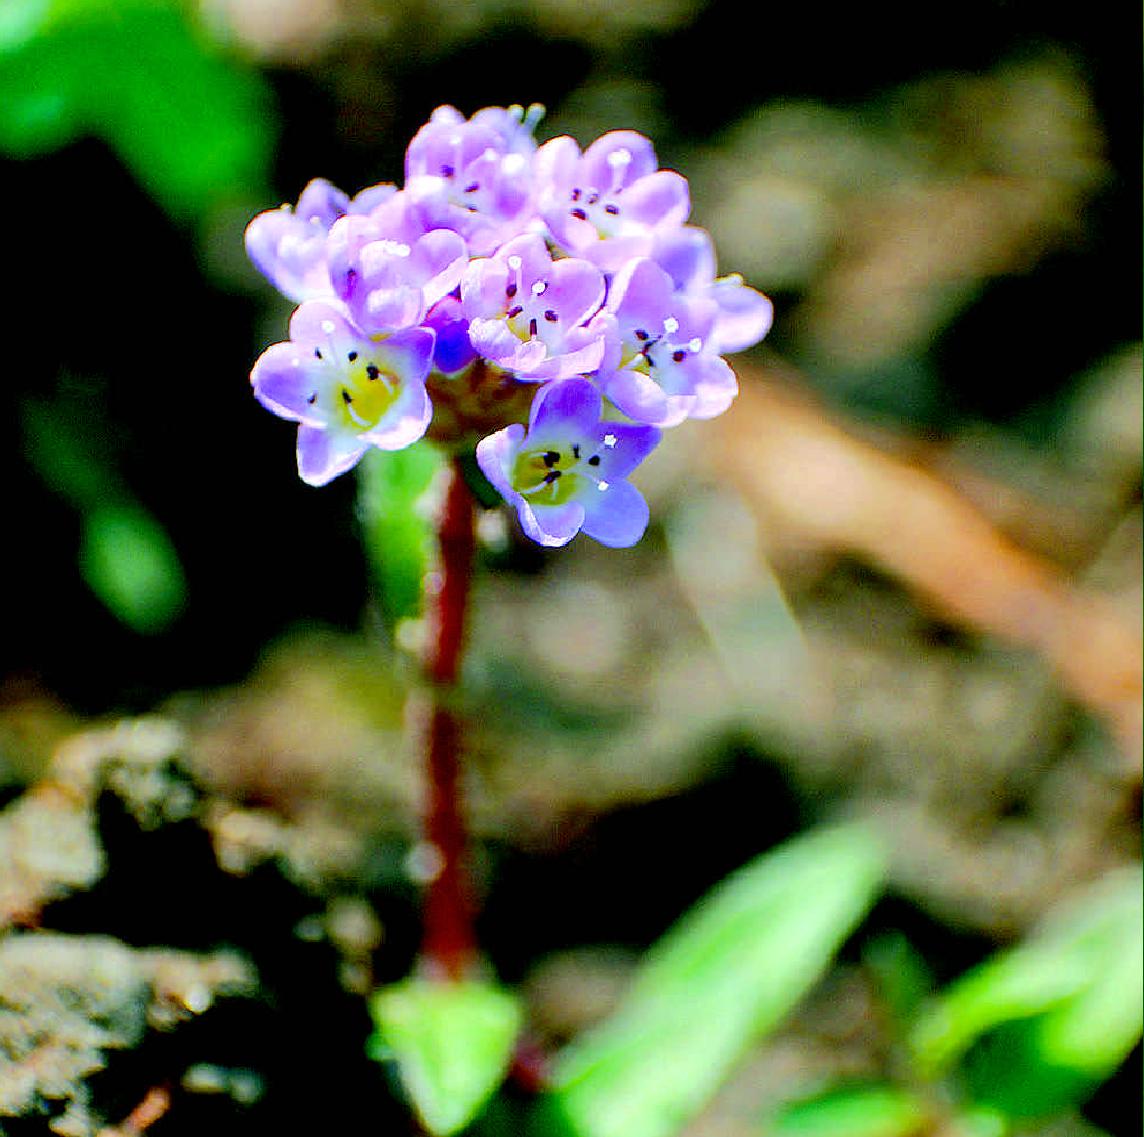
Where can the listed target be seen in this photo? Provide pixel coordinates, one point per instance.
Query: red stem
(449, 944)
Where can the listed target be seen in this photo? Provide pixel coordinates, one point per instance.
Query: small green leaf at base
(452, 1043)
(726, 974)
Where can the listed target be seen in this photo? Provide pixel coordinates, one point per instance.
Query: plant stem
(449, 943)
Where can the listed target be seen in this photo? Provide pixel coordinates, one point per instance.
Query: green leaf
(1039, 1026)
(129, 562)
(853, 1111)
(397, 523)
(452, 1043)
(902, 974)
(194, 126)
(728, 972)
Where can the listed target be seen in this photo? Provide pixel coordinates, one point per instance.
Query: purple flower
(743, 316)
(568, 471)
(474, 176)
(389, 283)
(660, 366)
(288, 245)
(348, 391)
(527, 311)
(607, 204)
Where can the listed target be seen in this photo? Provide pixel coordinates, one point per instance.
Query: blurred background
(899, 580)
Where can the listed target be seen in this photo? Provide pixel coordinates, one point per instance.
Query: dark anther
(594, 460)
(551, 476)
(641, 334)
(575, 449)
(317, 353)
(447, 171)
(576, 194)
(347, 398)
(679, 356)
(372, 371)
(593, 198)
(532, 327)
(352, 356)
(510, 291)
(611, 208)
(579, 214)
(550, 458)
(313, 398)
(551, 316)
(515, 311)
(472, 187)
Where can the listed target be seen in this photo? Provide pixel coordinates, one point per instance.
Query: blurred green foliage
(396, 524)
(193, 125)
(854, 1111)
(1039, 1026)
(725, 975)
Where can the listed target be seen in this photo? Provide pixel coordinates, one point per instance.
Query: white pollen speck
(619, 157)
(601, 486)
(671, 325)
(514, 262)
(513, 164)
(610, 441)
(329, 327)
(696, 344)
(540, 288)
(490, 155)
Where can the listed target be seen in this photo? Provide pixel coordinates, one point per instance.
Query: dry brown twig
(828, 491)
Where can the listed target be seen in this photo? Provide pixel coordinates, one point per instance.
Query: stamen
(510, 291)
(550, 458)
(641, 334)
(317, 353)
(575, 449)
(551, 316)
(372, 371)
(313, 398)
(671, 325)
(447, 171)
(514, 311)
(611, 208)
(679, 356)
(610, 440)
(539, 288)
(532, 331)
(347, 398)
(593, 197)
(472, 187)
(579, 214)
(352, 356)
(576, 194)
(551, 477)
(594, 460)
(602, 485)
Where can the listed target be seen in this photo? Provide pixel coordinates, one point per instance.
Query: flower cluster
(548, 305)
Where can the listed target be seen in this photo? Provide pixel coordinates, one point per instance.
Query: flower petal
(618, 515)
(744, 315)
(285, 382)
(324, 454)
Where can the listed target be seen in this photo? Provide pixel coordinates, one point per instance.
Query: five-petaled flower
(505, 274)
(568, 471)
